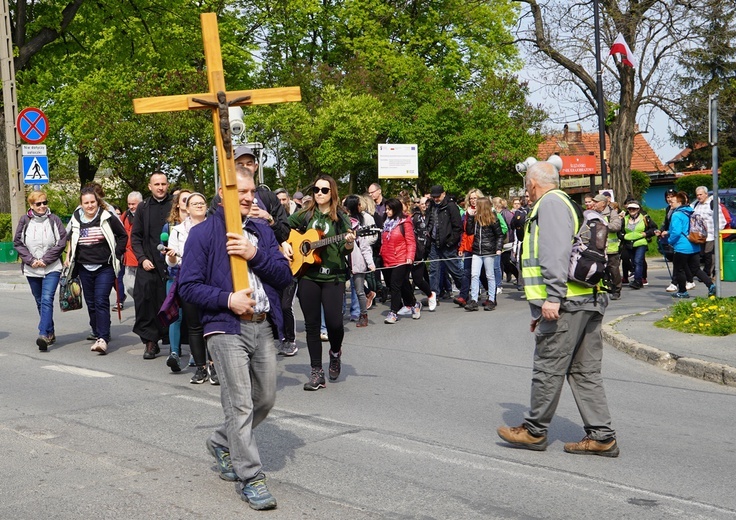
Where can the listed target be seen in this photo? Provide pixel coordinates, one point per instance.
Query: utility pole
(599, 96)
(713, 138)
(10, 106)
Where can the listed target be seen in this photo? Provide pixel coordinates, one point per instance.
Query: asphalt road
(407, 432)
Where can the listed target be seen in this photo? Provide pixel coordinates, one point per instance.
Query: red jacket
(466, 241)
(129, 258)
(399, 246)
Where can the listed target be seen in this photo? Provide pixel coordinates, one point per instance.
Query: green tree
(688, 183)
(639, 183)
(709, 67)
(727, 178)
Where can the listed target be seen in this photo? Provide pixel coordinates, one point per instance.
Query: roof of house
(685, 153)
(579, 143)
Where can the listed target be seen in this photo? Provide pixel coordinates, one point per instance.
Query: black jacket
(445, 216)
(421, 233)
(488, 239)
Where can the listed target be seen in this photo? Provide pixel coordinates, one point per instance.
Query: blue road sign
(36, 169)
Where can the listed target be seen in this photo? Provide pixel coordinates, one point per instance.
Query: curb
(697, 368)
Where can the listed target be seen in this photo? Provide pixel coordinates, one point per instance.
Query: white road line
(198, 400)
(77, 371)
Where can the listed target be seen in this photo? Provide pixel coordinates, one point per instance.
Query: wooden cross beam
(218, 100)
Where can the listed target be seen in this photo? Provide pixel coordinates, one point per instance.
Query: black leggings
(313, 296)
(397, 279)
(196, 339)
(420, 277)
(682, 263)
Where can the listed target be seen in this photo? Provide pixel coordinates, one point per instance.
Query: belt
(256, 318)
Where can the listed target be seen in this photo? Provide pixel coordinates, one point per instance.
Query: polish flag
(621, 47)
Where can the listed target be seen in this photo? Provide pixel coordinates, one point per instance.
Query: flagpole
(599, 95)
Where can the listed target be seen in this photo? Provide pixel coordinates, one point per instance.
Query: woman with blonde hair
(485, 228)
(40, 239)
(465, 250)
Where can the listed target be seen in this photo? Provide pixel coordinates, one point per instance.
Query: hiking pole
(668, 265)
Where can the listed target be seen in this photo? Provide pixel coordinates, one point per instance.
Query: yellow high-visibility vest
(531, 271)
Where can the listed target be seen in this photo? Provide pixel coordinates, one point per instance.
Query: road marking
(77, 371)
(198, 400)
(482, 462)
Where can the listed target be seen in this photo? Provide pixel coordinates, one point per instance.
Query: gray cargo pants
(570, 347)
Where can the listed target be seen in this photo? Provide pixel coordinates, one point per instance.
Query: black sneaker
(173, 362)
(151, 350)
(92, 337)
(214, 380)
(316, 380)
(334, 369)
(224, 464)
(472, 305)
(200, 376)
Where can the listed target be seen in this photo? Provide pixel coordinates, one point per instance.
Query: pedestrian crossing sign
(36, 169)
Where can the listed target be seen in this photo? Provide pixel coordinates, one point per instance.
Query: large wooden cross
(218, 100)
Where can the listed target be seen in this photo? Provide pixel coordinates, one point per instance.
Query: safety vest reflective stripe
(531, 271)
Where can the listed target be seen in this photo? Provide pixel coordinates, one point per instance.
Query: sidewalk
(629, 327)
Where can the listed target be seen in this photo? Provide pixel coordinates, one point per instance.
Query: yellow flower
(671, 319)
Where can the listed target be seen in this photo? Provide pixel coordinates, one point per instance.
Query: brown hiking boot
(520, 437)
(588, 446)
(362, 320)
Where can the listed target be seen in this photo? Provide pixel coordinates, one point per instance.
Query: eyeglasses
(198, 204)
(324, 191)
(41, 203)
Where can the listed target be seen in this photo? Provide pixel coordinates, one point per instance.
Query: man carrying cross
(234, 299)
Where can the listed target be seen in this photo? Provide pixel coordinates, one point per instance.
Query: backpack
(588, 258)
(698, 233)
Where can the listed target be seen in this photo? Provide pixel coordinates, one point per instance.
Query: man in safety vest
(566, 322)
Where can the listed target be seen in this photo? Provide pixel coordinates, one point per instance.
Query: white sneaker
(432, 302)
(416, 311)
(689, 285)
(499, 290)
(405, 311)
(323, 336)
(671, 288)
(100, 346)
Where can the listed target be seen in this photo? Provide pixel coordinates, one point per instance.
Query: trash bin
(728, 268)
(8, 254)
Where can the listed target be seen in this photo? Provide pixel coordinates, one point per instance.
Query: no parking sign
(32, 125)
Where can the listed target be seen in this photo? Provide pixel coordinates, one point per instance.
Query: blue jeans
(44, 290)
(638, 261)
(246, 366)
(466, 263)
(497, 272)
(477, 265)
(97, 286)
(451, 263)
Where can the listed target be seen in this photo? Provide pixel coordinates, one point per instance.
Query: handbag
(70, 291)
(169, 311)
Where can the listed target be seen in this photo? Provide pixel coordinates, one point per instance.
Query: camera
(237, 125)
(522, 166)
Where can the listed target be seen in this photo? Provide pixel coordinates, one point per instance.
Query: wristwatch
(269, 219)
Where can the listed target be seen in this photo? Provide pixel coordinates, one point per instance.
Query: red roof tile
(579, 143)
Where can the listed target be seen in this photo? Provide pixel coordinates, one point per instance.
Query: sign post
(33, 128)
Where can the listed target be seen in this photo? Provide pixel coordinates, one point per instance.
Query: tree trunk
(87, 170)
(4, 187)
(621, 133)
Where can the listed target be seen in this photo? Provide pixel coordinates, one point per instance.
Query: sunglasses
(324, 191)
(41, 203)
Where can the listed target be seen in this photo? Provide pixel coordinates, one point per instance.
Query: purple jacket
(205, 278)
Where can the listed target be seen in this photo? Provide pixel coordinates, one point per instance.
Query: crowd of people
(175, 243)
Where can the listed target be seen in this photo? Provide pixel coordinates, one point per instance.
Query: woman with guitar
(322, 270)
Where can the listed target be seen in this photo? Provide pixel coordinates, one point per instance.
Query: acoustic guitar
(306, 246)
